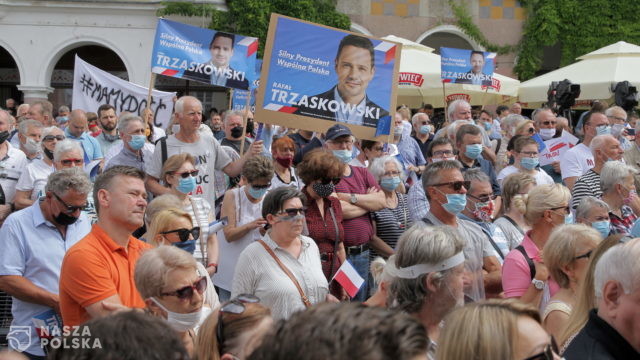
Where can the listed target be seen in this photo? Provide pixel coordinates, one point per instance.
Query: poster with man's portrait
(213, 57)
(462, 66)
(314, 76)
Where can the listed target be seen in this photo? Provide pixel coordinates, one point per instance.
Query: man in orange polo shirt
(97, 272)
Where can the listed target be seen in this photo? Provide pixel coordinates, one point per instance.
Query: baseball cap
(336, 131)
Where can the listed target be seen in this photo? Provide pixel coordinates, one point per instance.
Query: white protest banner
(555, 148)
(93, 87)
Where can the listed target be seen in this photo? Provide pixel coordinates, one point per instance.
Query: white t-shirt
(576, 161)
(34, 178)
(542, 178)
(209, 157)
(11, 167)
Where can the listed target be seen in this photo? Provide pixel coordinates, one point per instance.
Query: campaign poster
(314, 76)
(460, 66)
(213, 57)
(239, 97)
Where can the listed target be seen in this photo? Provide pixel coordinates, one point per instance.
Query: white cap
(412, 272)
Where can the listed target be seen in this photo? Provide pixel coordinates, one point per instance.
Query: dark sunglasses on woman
(550, 352)
(187, 292)
(186, 174)
(183, 233)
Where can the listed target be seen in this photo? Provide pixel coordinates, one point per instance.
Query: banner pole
(230, 99)
(244, 121)
(152, 83)
(444, 104)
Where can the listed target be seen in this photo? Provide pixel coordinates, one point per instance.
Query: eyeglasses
(377, 148)
(187, 292)
(235, 306)
(70, 208)
(260, 187)
(485, 198)
(392, 173)
(53, 137)
(335, 180)
(586, 255)
(529, 153)
(67, 162)
(186, 174)
(293, 211)
(531, 130)
(547, 123)
(548, 353)
(618, 118)
(183, 233)
(456, 185)
(567, 209)
(445, 153)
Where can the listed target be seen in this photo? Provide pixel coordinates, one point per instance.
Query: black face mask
(236, 132)
(250, 127)
(48, 153)
(64, 219)
(4, 135)
(323, 190)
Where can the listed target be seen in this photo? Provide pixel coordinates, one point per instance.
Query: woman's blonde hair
(174, 163)
(206, 344)
(540, 199)
(560, 249)
(522, 125)
(512, 185)
(484, 330)
(158, 204)
(163, 221)
(154, 266)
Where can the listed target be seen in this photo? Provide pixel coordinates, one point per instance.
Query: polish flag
(348, 277)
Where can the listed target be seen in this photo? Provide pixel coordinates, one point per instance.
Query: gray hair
(613, 173)
(65, 146)
(49, 129)
(452, 129)
(63, 108)
(619, 263)
(512, 121)
(610, 112)
(431, 174)
(125, 120)
(25, 125)
(476, 174)
(154, 266)
(275, 199)
(416, 117)
(179, 106)
(536, 114)
(231, 113)
(376, 168)
(422, 244)
(586, 204)
(72, 178)
(453, 106)
(599, 141)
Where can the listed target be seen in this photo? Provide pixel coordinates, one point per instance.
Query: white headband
(412, 272)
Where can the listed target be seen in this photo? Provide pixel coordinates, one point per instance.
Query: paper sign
(555, 148)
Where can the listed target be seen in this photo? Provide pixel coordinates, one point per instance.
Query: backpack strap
(532, 266)
(163, 148)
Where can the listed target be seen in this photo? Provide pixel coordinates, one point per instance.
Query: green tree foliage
(251, 17)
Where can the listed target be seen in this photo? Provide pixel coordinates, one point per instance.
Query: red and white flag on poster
(348, 277)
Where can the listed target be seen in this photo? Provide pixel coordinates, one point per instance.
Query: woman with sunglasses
(283, 268)
(321, 171)
(168, 281)
(524, 273)
(566, 255)
(31, 183)
(180, 174)
(527, 161)
(242, 207)
(234, 331)
(496, 329)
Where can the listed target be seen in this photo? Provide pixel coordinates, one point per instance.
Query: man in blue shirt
(77, 131)
(34, 242)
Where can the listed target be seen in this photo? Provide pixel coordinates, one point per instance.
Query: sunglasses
(548, 353)
(485, 198)
(547, 123)
(531, 130)
(233, 306)
(186, 174)
(70, 208)
(183, 233)
(586, 255)
(293, 211)
(187, 292)
(335, 180)
(567, 209)
(53, 137)
(456, 185)
(67, 162)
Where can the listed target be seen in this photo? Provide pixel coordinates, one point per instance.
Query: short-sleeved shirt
(576, 161)
(358, 230)
(11, 167)
(587, 185)
(424, 146)
(33, 248)
(209, 157)
(487, 168)
(95, 269)
(106, 145)
(34, 178)
(541, 177)
(513, 233)
(90, 145)
(417, 202)
(622, 225)
(392, 223)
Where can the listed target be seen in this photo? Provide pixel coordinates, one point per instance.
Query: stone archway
(9, 77)
(447, 36)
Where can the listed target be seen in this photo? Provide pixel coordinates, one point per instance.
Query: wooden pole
(444, 102)
(152, 83)
(244, 122)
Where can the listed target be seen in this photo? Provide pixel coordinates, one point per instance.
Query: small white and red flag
(348, 277)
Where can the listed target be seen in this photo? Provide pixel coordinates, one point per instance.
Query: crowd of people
(213, 240)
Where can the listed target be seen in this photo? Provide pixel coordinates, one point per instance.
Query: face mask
(455, 203)
(137, 142)
(483, 211)
(529, 163)
(188, 246)
(250, 127)
(284, 161)
(64, 219)
(323, 190)
(181, 322)
(568, 219)
(63, 119)
(397, 131)
(186, 185)
(616, 130)
(175, 128)
(236, 132)
(487, 126)
(425, 129)
(257, 193)
(343, 155)
(4, 135)
(603, 227)
(390, 183)
(473, 151)
(32, 146)
(48, 153)
(603, 130)
(547, 134)
(110, 138)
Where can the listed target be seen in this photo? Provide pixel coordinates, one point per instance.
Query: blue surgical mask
(568, 219)
(603, 227)
(487, 126)
(390, 183)
(137, 142)
(343, 155)
(529, 163)
(186, 185)
(472, 151)
(603, 130)
(425, 129)
(257, 193)
(188, 246)
(455, 202)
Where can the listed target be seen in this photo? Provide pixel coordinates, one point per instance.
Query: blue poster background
(456, 63)
(299, 39)
(178, 47)
(239, 97)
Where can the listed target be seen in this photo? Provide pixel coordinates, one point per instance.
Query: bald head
(77, 122)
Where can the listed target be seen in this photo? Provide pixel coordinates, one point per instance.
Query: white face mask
(547, 134)
(32, 146)
(175, 128)
(182, 322)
